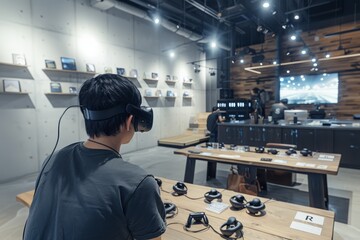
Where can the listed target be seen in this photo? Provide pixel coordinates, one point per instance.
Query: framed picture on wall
(50, 64)
(11, 85)
(68, 63)
(90, 67)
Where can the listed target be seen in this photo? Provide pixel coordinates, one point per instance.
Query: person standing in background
(212, 123)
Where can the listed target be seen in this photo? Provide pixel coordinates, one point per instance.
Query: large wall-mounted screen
(310, 89)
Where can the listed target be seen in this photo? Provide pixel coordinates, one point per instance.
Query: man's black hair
(256, 90)
(103, 92)
(214, 109)
(284, 101)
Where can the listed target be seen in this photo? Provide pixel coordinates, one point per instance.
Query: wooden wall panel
(348, 67)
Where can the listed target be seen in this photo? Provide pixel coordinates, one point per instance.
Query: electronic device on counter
(180, 189)
(170, 209)
(260, 149)
(232, 226)
(272, 151)
(158, 181)
(290, 151)
(306, 152)
(255, 206)
(212, 194)
(197, 218)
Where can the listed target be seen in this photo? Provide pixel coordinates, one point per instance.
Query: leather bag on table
(242, 183)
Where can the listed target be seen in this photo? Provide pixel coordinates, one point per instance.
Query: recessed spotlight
(287, 71)
(274, 62)
(157, 20)
(172, 54)
(313, 60)
(178, 26)
(266, 4)
(315, 64)
(303, 51)
(293, 37)
(261, 64)
(296, 17)
(241, 60)
(327, 55)
(213, 44)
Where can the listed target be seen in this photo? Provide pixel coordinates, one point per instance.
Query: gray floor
(161, 161)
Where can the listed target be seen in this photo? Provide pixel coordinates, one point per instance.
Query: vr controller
(143, 116)
(232, 226)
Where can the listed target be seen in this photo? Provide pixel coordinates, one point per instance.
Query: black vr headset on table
(143, 116)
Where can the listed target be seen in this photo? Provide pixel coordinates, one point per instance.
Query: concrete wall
(50, 29)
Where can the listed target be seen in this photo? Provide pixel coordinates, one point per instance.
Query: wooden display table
(273, 224)
(316, 167)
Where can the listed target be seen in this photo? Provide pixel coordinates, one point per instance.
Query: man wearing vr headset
(86, 190)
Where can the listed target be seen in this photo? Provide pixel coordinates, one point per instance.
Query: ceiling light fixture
(327, 55)
(213, 44)
(293, 37)
(241, 60)
(303, 51)
(296, 16)
(266, 4)
(172, 54)
(156, 19)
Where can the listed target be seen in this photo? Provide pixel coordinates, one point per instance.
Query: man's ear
(128, 122)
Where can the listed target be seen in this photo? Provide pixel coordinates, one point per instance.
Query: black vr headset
(143, 116)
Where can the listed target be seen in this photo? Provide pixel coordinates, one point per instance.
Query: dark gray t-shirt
(93, 194)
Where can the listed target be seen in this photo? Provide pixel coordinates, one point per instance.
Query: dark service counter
(341, 137)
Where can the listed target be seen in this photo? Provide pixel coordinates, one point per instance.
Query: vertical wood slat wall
(243, 81)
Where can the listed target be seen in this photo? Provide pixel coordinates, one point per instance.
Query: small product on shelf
(11, 86)
(50, 64)
(158, 93)
(133, 73)
(186, 94)
(168, 78)
(19, 59)
(120, 71)
(90, 67)
(68, 63)
(55, 87)
(155, 76)
(72, 90)
(148, 93)
(170, 93)
(108, 70)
